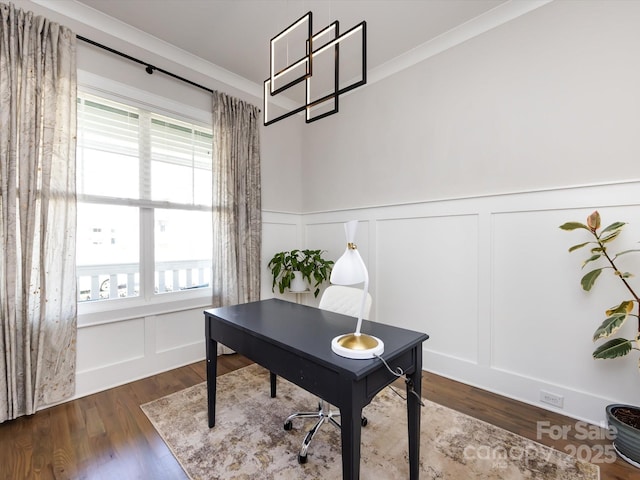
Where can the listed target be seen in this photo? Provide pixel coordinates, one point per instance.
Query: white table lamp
(349, 270)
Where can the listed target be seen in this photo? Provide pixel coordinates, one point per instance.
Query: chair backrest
(345, 300)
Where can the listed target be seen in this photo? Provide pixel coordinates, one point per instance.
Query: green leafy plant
(310, 263)
(616, 316)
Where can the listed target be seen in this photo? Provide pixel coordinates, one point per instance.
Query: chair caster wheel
(302, 459)
(288, 426)
(364, 421)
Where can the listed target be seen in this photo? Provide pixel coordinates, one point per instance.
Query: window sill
(110, 311)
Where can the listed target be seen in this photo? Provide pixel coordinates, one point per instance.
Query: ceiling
(235, 34)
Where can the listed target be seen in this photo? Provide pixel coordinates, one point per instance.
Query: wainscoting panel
(429, 266)
(538, 301)
(491, 281)
(110, 354)
(180, 330)
(110, 344)
(106, 354)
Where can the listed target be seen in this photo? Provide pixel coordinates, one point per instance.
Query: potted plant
(307, 264)
(624, 420)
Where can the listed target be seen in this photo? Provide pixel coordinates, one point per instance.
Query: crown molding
(118, 29)
(94, 19)
(489, 20)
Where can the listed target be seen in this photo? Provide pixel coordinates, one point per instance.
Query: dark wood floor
(106, 435)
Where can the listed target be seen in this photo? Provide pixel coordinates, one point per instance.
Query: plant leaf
(576, 247)
(610, 237)
(617, 347)
(590, 278)
(593, 221)
(591, 259)
(610, 326)
(614, 226)
(627, 251)
(624, 274)
(625, 307)
(573, 226)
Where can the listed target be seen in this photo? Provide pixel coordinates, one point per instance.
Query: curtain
(37, 212)
(237, 222)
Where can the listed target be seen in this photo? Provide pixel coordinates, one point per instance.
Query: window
(144, 203)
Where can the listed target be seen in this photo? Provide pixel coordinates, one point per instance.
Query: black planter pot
(627, 438)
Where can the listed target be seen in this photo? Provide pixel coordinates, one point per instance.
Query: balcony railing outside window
(104, 282)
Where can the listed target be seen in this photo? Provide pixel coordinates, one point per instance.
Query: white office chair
(347, 301)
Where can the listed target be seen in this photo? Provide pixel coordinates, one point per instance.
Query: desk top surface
(308, 332)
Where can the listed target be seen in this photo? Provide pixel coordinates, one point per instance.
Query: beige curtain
(237, 223)
(37, 212)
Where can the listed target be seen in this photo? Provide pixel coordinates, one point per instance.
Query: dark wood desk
(294, 341)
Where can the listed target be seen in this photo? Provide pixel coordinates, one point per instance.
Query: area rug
(249, 442)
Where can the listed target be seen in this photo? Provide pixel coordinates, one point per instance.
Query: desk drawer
(313, 378)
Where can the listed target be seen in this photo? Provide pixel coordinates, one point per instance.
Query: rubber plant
(310, 263)
(615, 316)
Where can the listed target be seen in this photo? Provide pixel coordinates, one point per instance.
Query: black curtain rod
(149, 68)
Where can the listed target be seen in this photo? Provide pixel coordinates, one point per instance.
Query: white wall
(463, 166)
(549, 99)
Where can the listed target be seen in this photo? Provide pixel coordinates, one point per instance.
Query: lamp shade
(349, 269)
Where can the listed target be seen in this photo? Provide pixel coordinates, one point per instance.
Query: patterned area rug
(249, 442)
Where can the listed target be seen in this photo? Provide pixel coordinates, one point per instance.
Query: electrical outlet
(552, 399)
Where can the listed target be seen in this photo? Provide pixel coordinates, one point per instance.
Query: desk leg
(413, 416)
(351, 429)
(272, 379)
(212, 371)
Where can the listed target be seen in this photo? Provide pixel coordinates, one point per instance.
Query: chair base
(324, 414)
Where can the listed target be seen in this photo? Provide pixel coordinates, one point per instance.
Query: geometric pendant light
(301, 58)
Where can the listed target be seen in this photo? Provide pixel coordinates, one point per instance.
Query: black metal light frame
(309, 105)
(305, 59)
